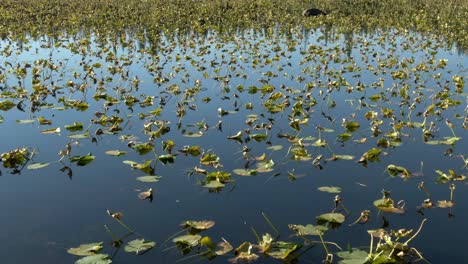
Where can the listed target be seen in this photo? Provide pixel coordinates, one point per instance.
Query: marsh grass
(18, 17)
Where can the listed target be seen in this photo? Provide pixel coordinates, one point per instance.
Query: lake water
(252, 82)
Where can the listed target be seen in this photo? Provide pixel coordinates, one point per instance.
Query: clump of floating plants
(32, 17)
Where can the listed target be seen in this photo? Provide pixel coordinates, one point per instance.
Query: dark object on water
(313, 12)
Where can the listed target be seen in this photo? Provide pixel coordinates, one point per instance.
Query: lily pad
(199, 225)
(245, 172)
(330, 189)
(95, 259)
(337, 218)
(354, 256)
(51, 131)
(223, 248)
(308, 230)
(38, 165)
(115, 152)
(79, 136)
(148, 178)
(6, 105)
(82, 160)
(86, 249)
(139, 246)
(281, 249)
(189, 240)
(25, 121)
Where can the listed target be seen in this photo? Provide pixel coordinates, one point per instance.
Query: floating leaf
(330, 189)
(74, 127)
(146, 194)
(168, 158)
(275, 147)
(193, 135)
(143, 148)
(198, 225)
(281, 250)
(82, 160)
(352, 126)
(337, 218)
(149, 178)
(354, 256)
(139, 246)
(236, 136)
(259, 137)
(51, 131)
(265, 166)
(387, 205)
(451, 176)
(189, 240)
(86, 249)
(145, 167)
(115, 152)
(342, 157)
(244, 254)
(308, 230)
(245, 172)
(447, 141)
(445, 204)
(223, 248)
(320, 143)
(95, 259)
(394, 170)
(79, 136)
(214, 184)
(38, 165)
(371, 155)
(6, 105)
(25, 121)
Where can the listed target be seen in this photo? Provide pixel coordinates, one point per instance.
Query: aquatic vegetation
(220, 109)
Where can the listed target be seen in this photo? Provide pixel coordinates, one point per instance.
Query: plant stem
(417, 232)
(124, 225)
(271, 224)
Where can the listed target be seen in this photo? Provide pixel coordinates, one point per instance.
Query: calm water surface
(46, 212)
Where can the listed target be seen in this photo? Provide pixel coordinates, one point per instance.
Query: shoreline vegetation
(19, 18)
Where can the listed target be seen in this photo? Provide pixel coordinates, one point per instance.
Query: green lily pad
(355, 256)
(79, 136)
(337, 218)
(25, 121)
(394, 170)
(86, 249)
(330, 189)
(95, 259)
(74, 127)
(199, 225)
(214, 184)
(82, 160)
(115, 152)
(446, 141)
(51, 131)
(281, 249)
(189, 240)
(244, 172)
(308, 230)
(168, 158)
(265, 166)
(139, 246)
(38, 165)
(148, 178)
(6, 105)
